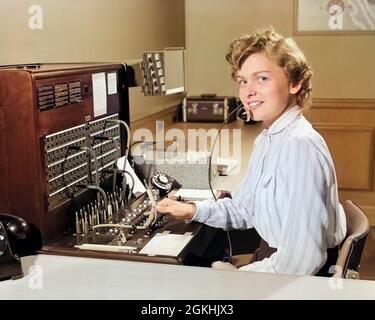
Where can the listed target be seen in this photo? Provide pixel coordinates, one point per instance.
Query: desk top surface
(58, 277)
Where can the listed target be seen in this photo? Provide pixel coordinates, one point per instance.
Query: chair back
(351, 249)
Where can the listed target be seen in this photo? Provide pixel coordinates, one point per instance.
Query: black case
(209, 108)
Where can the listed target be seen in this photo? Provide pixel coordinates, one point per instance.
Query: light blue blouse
(289, 196)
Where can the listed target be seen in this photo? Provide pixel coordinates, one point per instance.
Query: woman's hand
(177, 209)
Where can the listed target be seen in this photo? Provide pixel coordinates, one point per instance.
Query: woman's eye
(241, 81)
(262, 78)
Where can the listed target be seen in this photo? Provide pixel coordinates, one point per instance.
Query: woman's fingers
(167, 202)
(176, 208)
(166, 205)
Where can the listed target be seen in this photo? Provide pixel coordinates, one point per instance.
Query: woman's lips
(254, 104)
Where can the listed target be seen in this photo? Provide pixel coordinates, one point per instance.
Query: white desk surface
(58, 277)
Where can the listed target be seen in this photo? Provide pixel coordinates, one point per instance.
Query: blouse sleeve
(235, 213)
(224, 213)
(229, 213)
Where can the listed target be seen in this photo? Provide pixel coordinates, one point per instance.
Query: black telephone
(17, 238)
(164, 183)
(10, 263)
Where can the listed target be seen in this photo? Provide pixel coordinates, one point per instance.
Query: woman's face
(264, 89)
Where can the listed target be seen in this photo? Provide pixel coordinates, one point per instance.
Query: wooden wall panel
(4, 187)
(352, 149)
(348, 126)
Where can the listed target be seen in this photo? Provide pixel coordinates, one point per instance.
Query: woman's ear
(294, 87)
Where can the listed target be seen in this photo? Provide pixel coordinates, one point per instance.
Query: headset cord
(241, 114)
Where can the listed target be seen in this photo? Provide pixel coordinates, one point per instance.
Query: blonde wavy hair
(284, 51)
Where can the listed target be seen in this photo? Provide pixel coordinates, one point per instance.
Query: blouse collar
(284, 120)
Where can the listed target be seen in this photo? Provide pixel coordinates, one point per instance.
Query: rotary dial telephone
(162, 182)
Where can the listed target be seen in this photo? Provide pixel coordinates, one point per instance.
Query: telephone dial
(164, 183)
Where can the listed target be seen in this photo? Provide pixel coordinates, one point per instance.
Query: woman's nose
(250, 92)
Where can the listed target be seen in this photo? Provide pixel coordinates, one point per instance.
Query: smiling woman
(266, 61)
(289, 194)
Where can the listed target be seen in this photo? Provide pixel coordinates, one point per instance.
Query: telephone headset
(241, 114)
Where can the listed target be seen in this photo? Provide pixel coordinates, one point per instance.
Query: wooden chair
(351, 249)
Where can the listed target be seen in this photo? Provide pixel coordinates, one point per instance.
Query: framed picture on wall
(334, 17)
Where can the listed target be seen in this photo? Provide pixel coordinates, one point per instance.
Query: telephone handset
(11, 228)
(16, 227)
(3, 240)
(22, 237)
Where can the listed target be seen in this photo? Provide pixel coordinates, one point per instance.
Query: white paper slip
(166, 244)
(112, 82)
(99, 92)
(194, 194)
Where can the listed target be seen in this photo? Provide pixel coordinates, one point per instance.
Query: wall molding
(370, 212)
(331, 103)
(346, 127)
